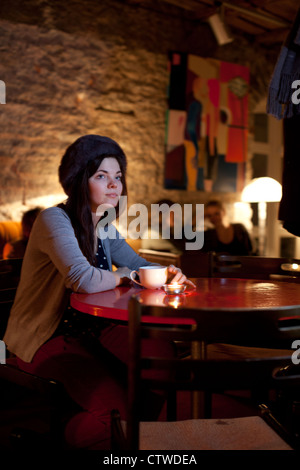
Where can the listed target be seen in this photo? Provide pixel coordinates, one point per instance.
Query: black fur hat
(83, 150)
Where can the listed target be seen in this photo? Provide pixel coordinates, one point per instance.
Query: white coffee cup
(151, 277)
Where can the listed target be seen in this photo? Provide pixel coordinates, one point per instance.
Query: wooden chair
(256, 267)
(192, 263)
(10, 270)
(161, 257)
(267, 327)
(197, 263)
(11, 265)
(32, 409)
(6, 301)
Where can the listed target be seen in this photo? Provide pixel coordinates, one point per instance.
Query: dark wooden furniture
(192, 263)
(200, 264)
(10, 270)
(276, 326)
(219, 296)
(256, 267)
(161, 257)
(32, 409)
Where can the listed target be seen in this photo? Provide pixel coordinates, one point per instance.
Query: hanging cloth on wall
(287, 70)
(280, 105)
(290, 201)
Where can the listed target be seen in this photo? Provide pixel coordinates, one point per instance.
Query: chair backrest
(264, 327)
(11, 265)
(7, 297)
(49, 394)
(47, 406)
(10, 270)
(192, 263)
(255, 267)
(162, 257)
(197, 263)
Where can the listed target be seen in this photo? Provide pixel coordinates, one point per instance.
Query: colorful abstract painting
(207, 124)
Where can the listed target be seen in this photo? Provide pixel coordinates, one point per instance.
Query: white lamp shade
(262, 190)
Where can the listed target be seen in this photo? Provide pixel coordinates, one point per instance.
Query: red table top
(210, 293)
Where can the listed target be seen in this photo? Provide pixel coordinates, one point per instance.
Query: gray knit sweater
(53, 267)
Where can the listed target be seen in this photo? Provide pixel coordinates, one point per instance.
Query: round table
(210, 293)
(217, 294)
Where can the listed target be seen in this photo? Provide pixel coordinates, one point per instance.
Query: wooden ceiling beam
(276, 36)
(192, 5)
(257, 14)
(208, 8)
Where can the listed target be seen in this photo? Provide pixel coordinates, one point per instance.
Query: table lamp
(262, 190)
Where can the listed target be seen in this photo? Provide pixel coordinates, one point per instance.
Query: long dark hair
(78, 207)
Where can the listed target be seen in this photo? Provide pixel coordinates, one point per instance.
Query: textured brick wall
(72, 68)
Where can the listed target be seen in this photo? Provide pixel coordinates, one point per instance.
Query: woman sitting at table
(224, 237)
(69, 251)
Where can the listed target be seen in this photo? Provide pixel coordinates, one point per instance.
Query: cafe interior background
(128, 70)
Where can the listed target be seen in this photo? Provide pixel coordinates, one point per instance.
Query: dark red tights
(94, 378)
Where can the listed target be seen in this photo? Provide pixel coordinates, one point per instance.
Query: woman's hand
(178, 276)
(122, 275)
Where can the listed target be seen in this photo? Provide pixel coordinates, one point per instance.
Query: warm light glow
(174, 303)
(15, 210)
(174, 288)
(290, 267)
(262, 190)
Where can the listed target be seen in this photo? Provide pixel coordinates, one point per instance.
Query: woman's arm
(127, 260)
(53, 235)
(123, 257)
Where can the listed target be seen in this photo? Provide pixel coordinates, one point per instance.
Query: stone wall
(74, 67)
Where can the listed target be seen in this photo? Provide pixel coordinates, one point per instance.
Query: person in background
(16, 248)
(71, 248)
(229, 238)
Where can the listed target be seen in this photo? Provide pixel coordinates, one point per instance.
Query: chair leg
(172, 406)
(292, 439)
(118, 440)
(207, 404)
(201, 404)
